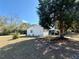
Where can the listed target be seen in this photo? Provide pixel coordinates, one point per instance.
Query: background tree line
(10, 24)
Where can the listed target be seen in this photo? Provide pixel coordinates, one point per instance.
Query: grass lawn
(23, 48)
(5, 40)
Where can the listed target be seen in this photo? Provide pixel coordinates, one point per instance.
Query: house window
(31, 31)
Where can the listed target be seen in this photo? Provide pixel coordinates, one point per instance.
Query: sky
(26, 10)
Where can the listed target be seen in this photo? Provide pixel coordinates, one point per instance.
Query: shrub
(22, 31)
(5, 31)
(15, 35)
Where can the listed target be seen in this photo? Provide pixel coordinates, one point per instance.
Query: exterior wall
(45, 33)
(39, 31)
(35, 31)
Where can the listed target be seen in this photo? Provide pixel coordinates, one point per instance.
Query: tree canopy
(63, 11)
(52, 10)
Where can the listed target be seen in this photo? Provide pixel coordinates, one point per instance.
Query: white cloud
(24, 21)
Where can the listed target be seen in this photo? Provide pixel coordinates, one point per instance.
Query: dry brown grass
(5, 40)
(48, 38)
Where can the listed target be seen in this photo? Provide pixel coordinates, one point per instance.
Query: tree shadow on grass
(41, 49)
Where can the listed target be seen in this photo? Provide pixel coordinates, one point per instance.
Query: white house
(35, 30)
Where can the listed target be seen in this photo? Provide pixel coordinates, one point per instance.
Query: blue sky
(25, 9)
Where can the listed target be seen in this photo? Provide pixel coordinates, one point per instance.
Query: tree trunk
(61, 30)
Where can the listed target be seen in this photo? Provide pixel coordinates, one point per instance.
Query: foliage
(9, 24)
(23, 27)
(6, 31)
(16, 35)
(63, 11)
(44, 14)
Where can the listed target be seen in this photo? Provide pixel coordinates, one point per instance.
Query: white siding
(46, 33)
(35, 31)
